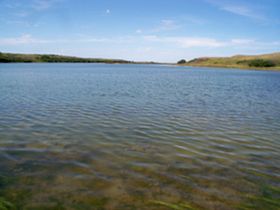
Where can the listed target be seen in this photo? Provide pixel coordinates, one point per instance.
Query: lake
(149, 137)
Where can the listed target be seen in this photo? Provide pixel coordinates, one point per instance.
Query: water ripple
(138, 136)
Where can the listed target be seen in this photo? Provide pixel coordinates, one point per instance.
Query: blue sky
(141, 30)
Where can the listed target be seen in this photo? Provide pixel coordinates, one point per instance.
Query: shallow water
(99, 136)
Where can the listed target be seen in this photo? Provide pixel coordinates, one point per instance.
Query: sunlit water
(97, 136)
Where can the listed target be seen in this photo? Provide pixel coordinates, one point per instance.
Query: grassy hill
(44, 58)
(266, 61)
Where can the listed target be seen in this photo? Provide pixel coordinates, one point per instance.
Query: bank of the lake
(255, 62)
(51, 58)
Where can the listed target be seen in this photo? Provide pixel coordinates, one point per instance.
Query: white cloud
(187, 42)
(18, 11)
(166, 25)
(44, 4)
(28, 39)
(21, 14)
(41, 4)
(242, 10)
(176, 42)
(24, 39)
(138, 31)
(199, 42)
(12, 5)
(208, 43)
(194, 19)
(242, 41)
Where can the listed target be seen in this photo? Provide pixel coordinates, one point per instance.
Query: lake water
(149, 137)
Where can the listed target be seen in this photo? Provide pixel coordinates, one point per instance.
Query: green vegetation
(37, 58)
(267, 61)
(261, 63)
(269, 198)
(183, 61)
(6, 205)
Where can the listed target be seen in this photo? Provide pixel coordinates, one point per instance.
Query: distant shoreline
(131, 63)
(234, 62)
(52, 58)
(250, 62)
(233, 67)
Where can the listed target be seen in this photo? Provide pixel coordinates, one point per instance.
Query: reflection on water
(88, 136)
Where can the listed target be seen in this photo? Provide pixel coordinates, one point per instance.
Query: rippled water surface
(97, 136)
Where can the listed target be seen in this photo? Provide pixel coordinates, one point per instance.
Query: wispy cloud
(237, 8)
(37, 5)
(187, 42)
(166, 25)
(243, 41)
(21, 14)
(29, 39)
(21, 22)
(199, 42)
(208, 43)
(243, 11)
(11, 4)
(172, 42)
(163, 25)
(43, 4)
(24, 39)
(139, 31)
(172, 24)
(193, 19)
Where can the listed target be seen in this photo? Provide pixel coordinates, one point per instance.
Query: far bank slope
(265, 62)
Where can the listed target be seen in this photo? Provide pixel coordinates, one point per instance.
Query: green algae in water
(268, 199)
(180, 206)
(5, 181)
(6, 205)
(91, 203)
